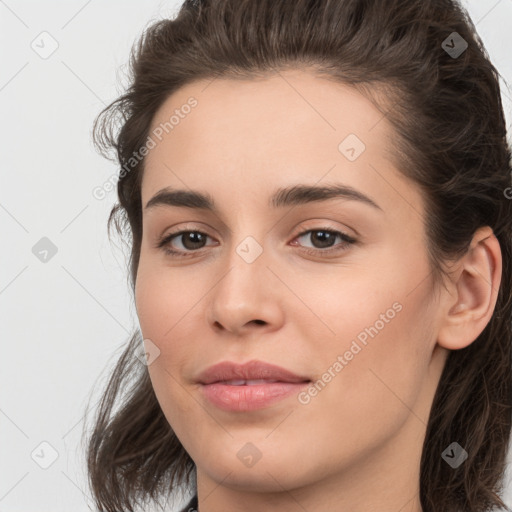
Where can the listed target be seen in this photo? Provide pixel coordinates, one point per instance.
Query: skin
(356, 446)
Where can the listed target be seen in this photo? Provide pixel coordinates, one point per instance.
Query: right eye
(190, 240)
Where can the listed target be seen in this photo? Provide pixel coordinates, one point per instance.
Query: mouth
(251, 386)
(249, 373)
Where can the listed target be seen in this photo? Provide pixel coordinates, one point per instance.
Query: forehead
(290, 104)
(251, 136)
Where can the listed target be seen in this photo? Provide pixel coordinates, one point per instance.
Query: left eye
(325, 239)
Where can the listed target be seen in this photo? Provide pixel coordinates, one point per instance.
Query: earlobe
(476, 286)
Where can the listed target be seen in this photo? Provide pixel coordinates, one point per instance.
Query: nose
(246, 297)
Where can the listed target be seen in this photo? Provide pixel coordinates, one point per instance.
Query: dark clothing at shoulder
(191, 506)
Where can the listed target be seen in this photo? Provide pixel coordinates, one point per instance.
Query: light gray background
(67, 319)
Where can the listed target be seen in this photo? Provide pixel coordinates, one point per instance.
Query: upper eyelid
(318, 225)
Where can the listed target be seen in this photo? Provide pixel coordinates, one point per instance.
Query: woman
(317, 195)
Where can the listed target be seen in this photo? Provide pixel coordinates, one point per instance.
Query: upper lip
(251, 370)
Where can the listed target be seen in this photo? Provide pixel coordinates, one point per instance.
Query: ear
(476, 284)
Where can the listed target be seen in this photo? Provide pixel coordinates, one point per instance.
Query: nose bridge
(248, 239)
(246, 265)
(243, 294)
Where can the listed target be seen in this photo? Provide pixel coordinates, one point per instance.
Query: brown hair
(451, 141)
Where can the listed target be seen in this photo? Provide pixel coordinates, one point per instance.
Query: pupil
(193, 238)
(324, 237)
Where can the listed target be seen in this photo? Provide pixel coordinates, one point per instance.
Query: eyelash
(163, 243)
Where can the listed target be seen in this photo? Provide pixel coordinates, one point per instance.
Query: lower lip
(249, 398)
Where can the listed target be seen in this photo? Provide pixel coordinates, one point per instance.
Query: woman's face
(278, 284)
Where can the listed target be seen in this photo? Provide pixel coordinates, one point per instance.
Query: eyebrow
(290, 196)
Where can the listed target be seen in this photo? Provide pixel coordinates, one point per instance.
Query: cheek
(379, 347)
(377, 388)
(162, 314)
(159, 309)
(163, 300)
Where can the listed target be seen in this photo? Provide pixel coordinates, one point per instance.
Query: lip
(252, 370)
(276, 383)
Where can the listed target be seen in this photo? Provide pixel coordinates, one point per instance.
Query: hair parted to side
(450, 140)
